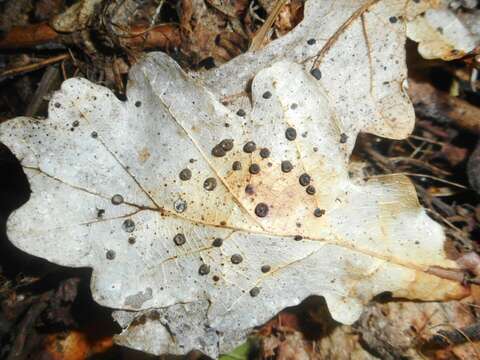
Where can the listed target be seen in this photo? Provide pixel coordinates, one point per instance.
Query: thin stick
(35, 66)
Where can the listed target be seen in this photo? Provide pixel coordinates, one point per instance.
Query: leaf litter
(104, 172)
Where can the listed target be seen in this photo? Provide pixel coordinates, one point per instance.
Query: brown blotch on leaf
(204, 269)
(304, 179)
(291, 134)
(210, 184)
(261, 210)
(254, 169)
(254, 291)
(179, 239)
(318, 212)
(185, 174)
(236, 259)
(249, 147)
(237, 165)
(286, 166)
(218, 151)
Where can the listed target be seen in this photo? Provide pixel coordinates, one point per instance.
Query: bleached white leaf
(110, 190)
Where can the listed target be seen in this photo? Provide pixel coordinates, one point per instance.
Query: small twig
(446, 338)
(260, 36)
(32, 67)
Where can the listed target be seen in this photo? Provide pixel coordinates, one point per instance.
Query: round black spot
(237, 165)
(215, 278)
(343, 138)
(210, 184)
(249, 189)
(117, 199)
(76, 123)
(185, 174)
(131, 240)
(297, 238)
(110, 255)
(204, 269)
(58, 105)
(94, 134)
(226, 144)
(241, 112)
(267, 95)
(179, 239)
(128, 225)
(218, 151)
(261, 210)
(318, 212)
(310, 190)
(254, 291)
(311, 41)
(286, 166)
(291, 134)
(217, 242)
(249, 147)
(264, 153)
(254, 169)
(236, 259)
(304, 179)
(294, 106)
(100, 213)
(316, 73)
(265, 268)
(393, 19)
(138, 103)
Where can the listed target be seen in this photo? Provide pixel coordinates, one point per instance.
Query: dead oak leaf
(227, 210)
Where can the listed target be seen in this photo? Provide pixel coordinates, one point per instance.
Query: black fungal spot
(236, 259)
(58, 105)
(254, 291)
(267, 95)
(76, 123)
(265, 268)
(297, 238)
(226, 144)
(286, 166)
(241, 112)
(261, 210)
(249, 189)
(310, 190)
(343, 138)
(291, 134)
(138, 103)
(254, 169)
(218, 151)
(249, 147)
(393, 19)
(179, 239)
(110, 255)
(294, 106)
(237, 165)
(185, 174)
(100, 213)
(204, 269)
(215, 278)
(316, 73)
(264, 153)
(210, 184)
(304, 179)
(311, 41)
(318, 212)
(131, 240)
(217, 242)
(94, 134)
(128, 225)
(117, 199)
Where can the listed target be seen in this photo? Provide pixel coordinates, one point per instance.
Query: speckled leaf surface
(201, 222)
